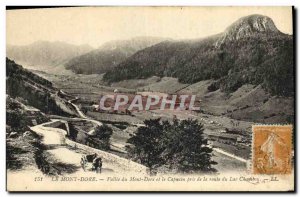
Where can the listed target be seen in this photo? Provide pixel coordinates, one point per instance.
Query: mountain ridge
(44, 53)
(257, 57)
(109, 55)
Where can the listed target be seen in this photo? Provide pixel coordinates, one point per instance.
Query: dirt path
(80, 113)
(60, 152)
(227, 163)
(231, 158)
(84, 117)
(230, 155)
(51, 136)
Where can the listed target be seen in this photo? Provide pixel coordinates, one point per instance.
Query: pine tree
(179, 145)
(146, 143)
(103, 133)
(187, 149)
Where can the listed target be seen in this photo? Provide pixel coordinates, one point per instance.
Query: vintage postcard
(150, 99)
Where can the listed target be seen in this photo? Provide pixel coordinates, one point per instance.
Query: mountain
(35, 91)
(45, 54)
(248, 26)
(250, 51)
(109, 55)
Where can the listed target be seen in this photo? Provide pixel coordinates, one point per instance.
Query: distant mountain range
(109, 55)
(250, 51)
(44, 53)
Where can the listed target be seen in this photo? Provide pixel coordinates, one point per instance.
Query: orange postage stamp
(272, 149)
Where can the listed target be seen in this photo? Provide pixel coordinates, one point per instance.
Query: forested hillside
(250, 51)
(33, 90)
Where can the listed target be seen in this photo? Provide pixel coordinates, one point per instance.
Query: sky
(97, 25)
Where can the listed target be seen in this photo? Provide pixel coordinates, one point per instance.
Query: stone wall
(56, 123)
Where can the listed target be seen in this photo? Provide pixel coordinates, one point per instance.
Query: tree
(265, 59)
(179, 145)
(103, 134)
(187, 150)
(147, 147)
(73, 132)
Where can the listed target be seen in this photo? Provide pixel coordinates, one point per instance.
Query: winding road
(62, 152)
(217, 151)
(82, 115)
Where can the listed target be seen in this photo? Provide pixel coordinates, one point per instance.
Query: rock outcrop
(248, 26)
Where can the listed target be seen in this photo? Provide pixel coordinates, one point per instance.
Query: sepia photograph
(136, 99)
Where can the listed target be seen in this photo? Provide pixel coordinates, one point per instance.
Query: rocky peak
(248, 26)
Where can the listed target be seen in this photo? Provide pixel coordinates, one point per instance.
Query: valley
(235, 75)
(231, 143)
